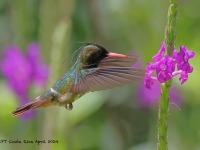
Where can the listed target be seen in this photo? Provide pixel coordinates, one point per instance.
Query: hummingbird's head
(92, 54)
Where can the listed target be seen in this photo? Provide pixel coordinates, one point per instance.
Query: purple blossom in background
(148, 98)
(15, 68)
(39, 72)
(165, 66)
(20, 71)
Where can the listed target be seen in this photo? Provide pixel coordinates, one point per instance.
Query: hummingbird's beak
(117, 55)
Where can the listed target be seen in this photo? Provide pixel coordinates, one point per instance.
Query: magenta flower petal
(182, 63)
(165, 68)
(160, 53)
(184, 55)
(187, 53)
(183, 77)
(148, 82)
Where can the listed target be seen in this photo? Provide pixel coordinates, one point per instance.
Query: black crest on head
(98, 53)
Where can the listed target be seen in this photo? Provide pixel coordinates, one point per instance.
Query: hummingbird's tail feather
(36, 103)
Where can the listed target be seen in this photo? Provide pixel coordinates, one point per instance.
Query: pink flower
(165, 66)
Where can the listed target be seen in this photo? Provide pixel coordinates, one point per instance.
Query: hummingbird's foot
(69, 106)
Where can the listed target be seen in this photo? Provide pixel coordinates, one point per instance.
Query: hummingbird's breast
(64, 99)
(67, 98)
(61, 89)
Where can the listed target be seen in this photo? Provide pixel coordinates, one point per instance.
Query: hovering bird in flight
(95, 69)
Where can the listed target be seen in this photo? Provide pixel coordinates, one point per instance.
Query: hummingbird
(95, 69)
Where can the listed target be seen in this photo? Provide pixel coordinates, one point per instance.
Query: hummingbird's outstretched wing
(96, 79)
(111, 72)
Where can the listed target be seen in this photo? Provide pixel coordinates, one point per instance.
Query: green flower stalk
(170, 37)
(170, 34)
(163, 115)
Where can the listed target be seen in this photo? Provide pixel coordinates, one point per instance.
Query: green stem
(170, 37)
(163, 115)
(170, 34)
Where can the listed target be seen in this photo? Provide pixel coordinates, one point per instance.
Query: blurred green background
(106, 120)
